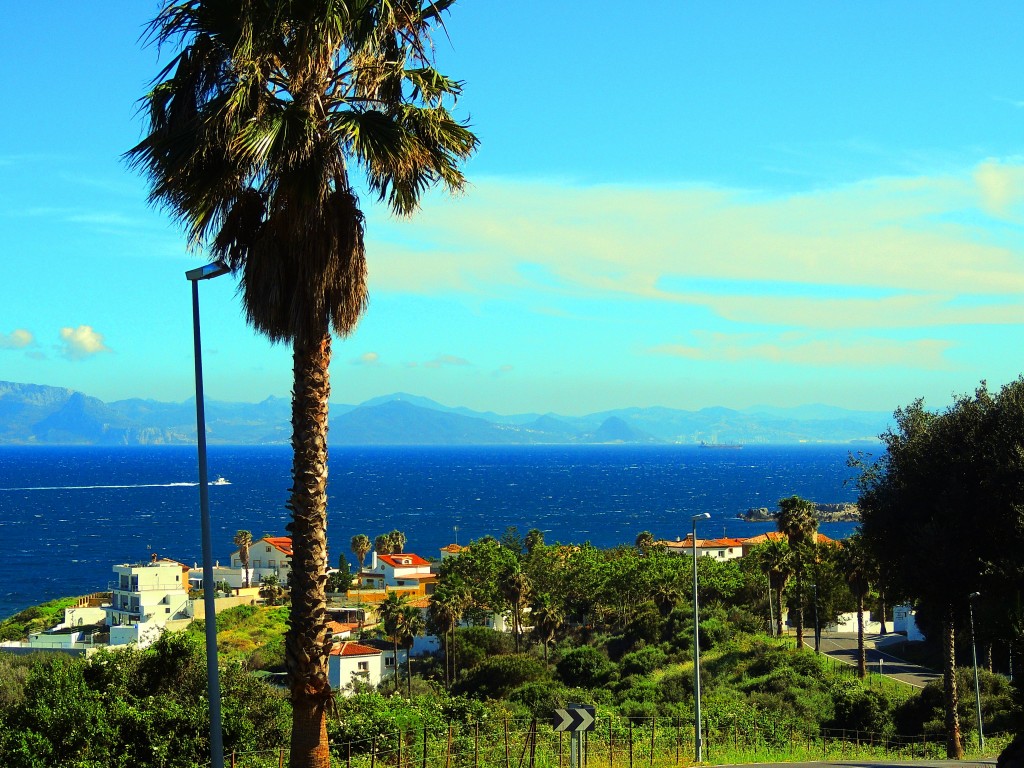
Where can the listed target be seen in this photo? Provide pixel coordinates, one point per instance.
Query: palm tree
(397, 540)
(360, 548)
(382, 544)
(798, 521)
(547, 616)
(644, 540)
(390, 614)
(410, 624)
(776, 560)
(243, 540)
(252, 129)
(858, 566)
(445, 610)
(515, 587)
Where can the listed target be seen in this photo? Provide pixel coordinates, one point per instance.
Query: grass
(248, 634)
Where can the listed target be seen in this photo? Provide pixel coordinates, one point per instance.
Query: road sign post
(575, 718)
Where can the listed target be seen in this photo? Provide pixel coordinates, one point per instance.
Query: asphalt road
(844, 648)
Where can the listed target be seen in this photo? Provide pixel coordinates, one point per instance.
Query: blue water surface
(67, 515)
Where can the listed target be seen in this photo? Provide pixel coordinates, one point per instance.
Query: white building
(271, 555)
(904, 620)
(144, 597)
(350, 661)
(403, 570)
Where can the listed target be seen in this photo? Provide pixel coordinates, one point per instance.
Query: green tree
(252, 129)
(776, 560)
(798, 521)
(444, 611)
(390, 611)
(534, 540)
(547, 617)
(858, 566)
(516, 588)
(382, 544)
(271, 589)
(243, 540)
(360, 547)
(396, 540)
(410, 625)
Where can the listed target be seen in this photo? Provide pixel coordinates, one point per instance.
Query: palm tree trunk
(447, 680)
(398, 680)
(778, 617)
(306, 642)
(954, 746)
(862, 660)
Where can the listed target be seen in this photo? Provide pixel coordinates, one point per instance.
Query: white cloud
(19, 338)
(81, 342)
(445, 360)
(367, 358)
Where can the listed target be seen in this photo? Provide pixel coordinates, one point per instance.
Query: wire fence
(614, 743)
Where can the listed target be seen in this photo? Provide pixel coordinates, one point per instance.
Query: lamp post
(817, 626)
(974, 655)
(216, 269)
(698, 744)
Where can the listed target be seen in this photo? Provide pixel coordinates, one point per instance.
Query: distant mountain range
(33, 414)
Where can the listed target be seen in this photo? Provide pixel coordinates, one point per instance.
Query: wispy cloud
(19, 338)
(81, 342)
(446, 361)
(803, 350)
(925, 241)
(367, 358)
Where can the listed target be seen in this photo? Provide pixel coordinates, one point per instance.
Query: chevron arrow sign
(574, 718)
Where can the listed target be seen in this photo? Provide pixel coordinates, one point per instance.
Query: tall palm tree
(798, 521)
(858, 566)
(382, 544)
(397, 539)
(390, 614)
(253, 127)
(243, 540)
(547, 616)
(410, 625)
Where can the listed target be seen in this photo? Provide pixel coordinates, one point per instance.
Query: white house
(271, 555)
(144, 597)
(721, 549)
(402, 570)
(351, 661)
(904, 620)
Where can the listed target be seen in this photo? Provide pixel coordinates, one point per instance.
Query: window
(268, 549)
(389, 661)
(256, 563)
(364, 666)
(272, 563)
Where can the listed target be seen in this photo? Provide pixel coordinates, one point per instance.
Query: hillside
(32, 414)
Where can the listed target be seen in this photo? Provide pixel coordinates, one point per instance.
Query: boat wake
(218, 481)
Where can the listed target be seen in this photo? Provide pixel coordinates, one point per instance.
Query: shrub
(585, 667)
(493, 678)
(642, 661)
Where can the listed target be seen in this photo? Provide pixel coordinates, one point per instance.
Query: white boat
(220, 481)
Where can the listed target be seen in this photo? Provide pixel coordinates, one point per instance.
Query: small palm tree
(776, 560)
(410, 625)
(243, 540)
(858, 565)
(547, 617)
(360, 548)
(390, 614)
(445, 610)
(516, 588)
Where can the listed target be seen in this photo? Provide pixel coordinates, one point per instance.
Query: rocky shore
(827, 513)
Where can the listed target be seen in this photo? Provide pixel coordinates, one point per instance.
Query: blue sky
(675, 203)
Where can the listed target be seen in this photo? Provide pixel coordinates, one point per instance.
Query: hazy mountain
(37, 414)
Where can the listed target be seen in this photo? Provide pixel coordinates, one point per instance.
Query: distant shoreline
(826, 513)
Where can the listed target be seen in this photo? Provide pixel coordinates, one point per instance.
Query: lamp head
(701, 516)
(208, 271)
(973, 595)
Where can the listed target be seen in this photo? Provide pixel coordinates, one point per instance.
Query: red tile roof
(337, 627)
(283, 543)
(354, 649)
(779, 536)
(453, 549)
(413, 560)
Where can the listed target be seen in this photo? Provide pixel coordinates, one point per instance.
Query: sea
(69, 514)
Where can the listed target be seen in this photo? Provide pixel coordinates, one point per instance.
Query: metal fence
(614, 743)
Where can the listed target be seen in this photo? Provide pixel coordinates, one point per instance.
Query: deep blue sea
(67, 515)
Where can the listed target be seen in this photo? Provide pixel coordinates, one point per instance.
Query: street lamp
(817, 626)
(974, 654)
(216, 269)
(698, 744)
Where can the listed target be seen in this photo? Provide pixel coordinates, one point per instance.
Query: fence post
(631, 742)
(678, 729)
(232, 758)
(654, 724)
(280, 757)
(424, 762)
(507, 763)
(448, 748)
(401, 738)
(611, 742)
(476, 745)
(373, 752)
(348, 762)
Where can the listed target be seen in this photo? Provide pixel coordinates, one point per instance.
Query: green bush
(585, 667)
(642, 661)
(495, 677)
